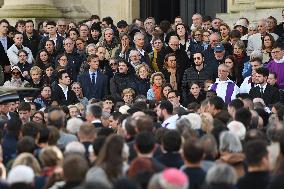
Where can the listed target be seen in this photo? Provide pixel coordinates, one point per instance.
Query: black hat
(9, 97)
(122, 24)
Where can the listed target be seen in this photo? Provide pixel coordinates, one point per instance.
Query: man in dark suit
(94, 114)
(62, 92)
(5, 44)
(31, 38)
(53, 35)
(269, 94)
(94, 82)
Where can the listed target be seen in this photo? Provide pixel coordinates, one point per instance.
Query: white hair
(73, 125)
(221, 174)
(237, 128)
(229, 142)
(137, 34)
(75, 147)
(194, 119)
(132, 52)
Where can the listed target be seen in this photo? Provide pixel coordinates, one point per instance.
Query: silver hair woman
(231, 152)
(221, 176)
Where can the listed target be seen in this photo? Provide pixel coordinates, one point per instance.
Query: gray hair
(137, 34)
(73, 125)
(75, 147)
(183, 124)
(133, 52)
(256, 54)
(229, 142)
(221, 174)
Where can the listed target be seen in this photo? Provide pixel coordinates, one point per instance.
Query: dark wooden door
(160, 9)
(204, 7)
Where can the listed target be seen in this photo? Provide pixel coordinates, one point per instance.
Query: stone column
(117, 9)
(29, 9)
(73, 9)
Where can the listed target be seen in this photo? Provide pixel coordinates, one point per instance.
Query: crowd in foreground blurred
(142, 105)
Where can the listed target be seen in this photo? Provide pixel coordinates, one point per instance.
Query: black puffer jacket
(192, 74)
(119, 82)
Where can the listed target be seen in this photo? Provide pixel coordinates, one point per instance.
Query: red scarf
(157, 91)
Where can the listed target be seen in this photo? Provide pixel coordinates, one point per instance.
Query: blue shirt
(91, 75)
(4, 42)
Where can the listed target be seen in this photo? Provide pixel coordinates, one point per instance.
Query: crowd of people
(142, 105)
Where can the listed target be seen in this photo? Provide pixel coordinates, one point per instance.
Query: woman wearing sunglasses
(16, 79)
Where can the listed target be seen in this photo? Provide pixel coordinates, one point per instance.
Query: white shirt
(263, 87)
(246, 85)
(222, 88)
(65, 90)
(142, 52)
(170, 123)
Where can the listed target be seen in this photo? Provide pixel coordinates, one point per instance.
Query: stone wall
(252, 9)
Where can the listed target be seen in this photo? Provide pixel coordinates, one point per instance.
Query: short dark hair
(166, 105)
(193, 151)
(145, 142)
(20, 22)
(218, 102)
(26, 144)
(51, 23)
(254, 151)
(243, 115)
(206, 18)
(92, 56)
(4, 21)
(171, 141)
(116, 115)
(31, 129)
(173, 91)
(199, 52)
(108, 20)
(236, 104)
(256, 59)
(60, 74)
(24, 106)
(30, 21)
(95, 110)
(262, 71)
(278, 44)
(235, 34)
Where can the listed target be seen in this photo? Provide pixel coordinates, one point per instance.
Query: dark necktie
(261, 91)
(94, 78)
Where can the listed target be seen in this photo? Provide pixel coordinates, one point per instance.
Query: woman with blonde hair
(28, 160)
(155, 92)
(143, 81)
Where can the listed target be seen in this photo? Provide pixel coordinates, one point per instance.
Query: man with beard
(182, 60)
(269, 94)
(198, 72)
(165, 114)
